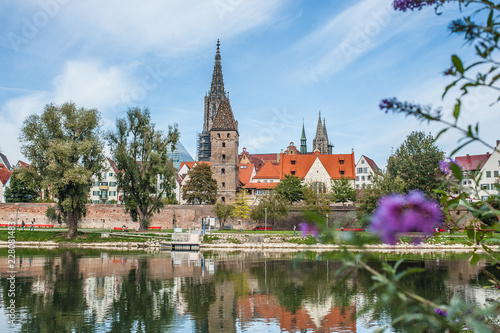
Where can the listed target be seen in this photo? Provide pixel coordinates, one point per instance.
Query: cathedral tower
(213, 99)
(321, 142)
(224, 140)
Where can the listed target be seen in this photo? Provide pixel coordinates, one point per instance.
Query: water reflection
(91, 291)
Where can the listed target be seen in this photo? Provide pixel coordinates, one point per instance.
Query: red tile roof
(300, 165)
(472, 162)
(191, 164)
(261, 185)
(4, 175)
(268, 171)
(245, 174)
(113, 165)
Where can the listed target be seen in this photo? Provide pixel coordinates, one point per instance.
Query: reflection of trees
(143, 305)
(59, 305)
(199, 295)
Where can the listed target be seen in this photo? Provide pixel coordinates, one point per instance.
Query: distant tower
(212, 100)
(224, 139)
(321, 142)
(303, 141)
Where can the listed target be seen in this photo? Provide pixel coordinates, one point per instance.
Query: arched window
(223, 185)
(223, 156)
(228, 135)
(223, 145)
(218, 135)
(223, 171)
(223, 199)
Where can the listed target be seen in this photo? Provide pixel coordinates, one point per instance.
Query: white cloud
(158, 26)
(90, 84)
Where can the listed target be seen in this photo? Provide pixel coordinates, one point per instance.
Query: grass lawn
(82, 237)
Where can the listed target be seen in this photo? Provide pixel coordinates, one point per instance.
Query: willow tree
(64, 147)
(145, 174)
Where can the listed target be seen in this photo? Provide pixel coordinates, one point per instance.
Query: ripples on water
(91, 291)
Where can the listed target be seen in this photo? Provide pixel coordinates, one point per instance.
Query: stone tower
(224, 140)
(212, 100)
(303, 141)
(321, 142)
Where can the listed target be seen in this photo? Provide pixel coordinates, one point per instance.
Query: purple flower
(445, 165)
(308, 229)
(404, 5)
(397, 214)
(441, 312)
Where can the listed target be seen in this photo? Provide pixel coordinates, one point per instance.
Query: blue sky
(283, 61)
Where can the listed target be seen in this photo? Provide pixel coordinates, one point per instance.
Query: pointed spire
(217, 86)
(319, 128)
(303, 141)
(224, 118)
(324, 126)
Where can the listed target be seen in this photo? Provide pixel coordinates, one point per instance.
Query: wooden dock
(192, 244)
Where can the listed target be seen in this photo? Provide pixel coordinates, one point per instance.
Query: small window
(228, 135)
(363, 178)
(223, 145)
(357, 178)
(488, 174)
(293, 173)
(362, 161)
(223, 185)
(357, 186)
(223, 171)
(369, 178)
(293, 162)
(485, 197)
(223, 156)
(243, 167)
(223, 199)
(485, 186)
(360, 170)
(341, 173)
(111, 174)
(218, 135)
(341, 161)
(495, 173)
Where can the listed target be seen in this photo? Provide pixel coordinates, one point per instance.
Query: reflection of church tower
(320, 142)
(212, 101)
(224, 139)
(303, 141)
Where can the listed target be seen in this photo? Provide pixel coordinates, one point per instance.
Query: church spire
(303, 140)
(217, 86)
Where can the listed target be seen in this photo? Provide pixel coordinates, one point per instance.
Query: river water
(241, 291)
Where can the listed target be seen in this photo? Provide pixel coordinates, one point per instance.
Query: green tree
(146, 173)
(367, 199)
(241, 206)
(201, 187)
(416, 162)
(25, 186)
(276, 206)
(223, 211)
(317, 200)
(342, 191)
(291, 188)
(64, 147)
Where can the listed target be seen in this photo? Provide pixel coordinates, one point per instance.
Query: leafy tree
(416, 162)
(342, 191)
(291, 188)
(241, 207)
(146, 173)
(223, 211)
(25, 186)
(276, 205)
(201, 187)
(317, 200)
(65, 149)
(368, 198)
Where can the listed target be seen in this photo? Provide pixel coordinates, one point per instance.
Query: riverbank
(231, 241)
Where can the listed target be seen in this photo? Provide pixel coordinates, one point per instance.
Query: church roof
(224, 119)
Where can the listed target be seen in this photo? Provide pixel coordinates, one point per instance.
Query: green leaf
(457, 171)
(456, 111)
(474, 258)
(448, 87)
(457, 63)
